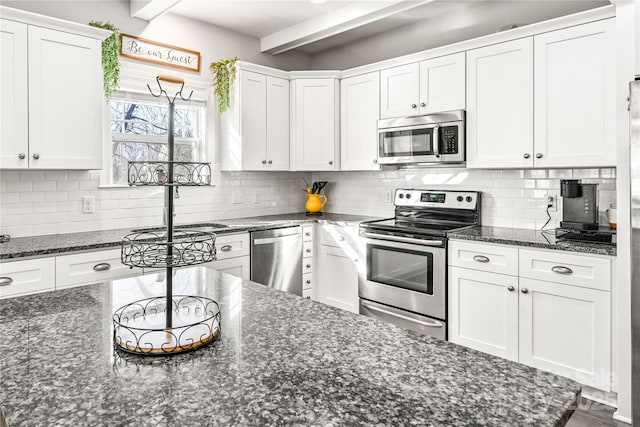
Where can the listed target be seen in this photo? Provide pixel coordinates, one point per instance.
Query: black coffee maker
(579, 205)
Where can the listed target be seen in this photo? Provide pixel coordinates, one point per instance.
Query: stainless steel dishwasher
(276, 258)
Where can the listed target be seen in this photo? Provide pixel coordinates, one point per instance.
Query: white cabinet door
(359, 100)
(277, 124)
(399, 91)
(500, 105)
(14, 93)
(239, 266)
(65, 100)
(313, 146)
(566, 330)
(442, 84)
(337, 281)
(575, 110)
(483, 311)
(253, 120)
(27, 277)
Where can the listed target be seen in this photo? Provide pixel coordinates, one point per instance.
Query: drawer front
(232, 245)
(339, 236)
(307, 233)
(560, 267)
(307, 266)
(306, 294)
(27, 277)
(484, 257)
(238, 267)
(90, 267)
(307, 249)
(307, 281)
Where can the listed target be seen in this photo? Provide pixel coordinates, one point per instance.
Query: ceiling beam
(150, 9)
(334, 22)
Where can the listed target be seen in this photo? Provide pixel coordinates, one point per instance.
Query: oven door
(405, 273)
(409, 144)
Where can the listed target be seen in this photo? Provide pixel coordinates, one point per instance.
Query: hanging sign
(159, 53)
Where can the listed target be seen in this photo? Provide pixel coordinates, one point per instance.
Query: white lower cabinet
(239, 266)
(561, 324)
(27, 277)
(337, 279)
(483, 311)
(232, 255)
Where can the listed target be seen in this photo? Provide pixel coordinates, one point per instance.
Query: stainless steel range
(406, 278)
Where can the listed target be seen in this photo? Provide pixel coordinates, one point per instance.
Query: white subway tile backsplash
(19, 186)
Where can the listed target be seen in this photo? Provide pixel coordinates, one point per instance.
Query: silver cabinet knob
(538, 155)
(308, 234)
(225, 248)
(510, 288)
(264, 162)
(308, 265)
(270, 162)
(414, 106)
(5, 281)
(308, 251)
(308, 282)
(330, 162)
(36, 156)
(308, 297)
(524, 290)
(103, 266)
(422, 104)
(21, 156)
(375, 160)
(526, 155)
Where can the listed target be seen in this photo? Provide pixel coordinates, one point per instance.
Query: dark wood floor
(593, 414)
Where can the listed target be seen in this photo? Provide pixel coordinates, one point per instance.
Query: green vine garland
(110, 62)
(225, 74)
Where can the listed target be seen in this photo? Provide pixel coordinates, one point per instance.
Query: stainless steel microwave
(433, 138)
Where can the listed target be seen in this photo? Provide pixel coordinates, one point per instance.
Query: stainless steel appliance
(634, 109)
(579, 205)
(406, 277)
(434, 138)
(276, 258)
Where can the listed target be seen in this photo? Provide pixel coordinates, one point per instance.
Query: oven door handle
(402, 239)
(433, 324)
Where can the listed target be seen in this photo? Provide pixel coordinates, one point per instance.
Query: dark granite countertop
(281, 360)
(72, 242)
(530, 238)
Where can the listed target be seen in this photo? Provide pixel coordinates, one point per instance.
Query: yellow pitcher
(315, 202)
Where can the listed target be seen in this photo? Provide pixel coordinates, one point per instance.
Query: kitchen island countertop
(53, 244)
(281, 360)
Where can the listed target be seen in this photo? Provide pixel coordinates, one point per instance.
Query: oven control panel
(436, 198)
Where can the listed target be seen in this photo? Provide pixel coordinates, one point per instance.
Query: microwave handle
(436, 141)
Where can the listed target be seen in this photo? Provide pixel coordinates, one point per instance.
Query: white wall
(510, 198)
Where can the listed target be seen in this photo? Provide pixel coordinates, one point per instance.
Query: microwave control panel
(449, 139)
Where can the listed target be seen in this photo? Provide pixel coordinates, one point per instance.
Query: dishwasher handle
(279, 239)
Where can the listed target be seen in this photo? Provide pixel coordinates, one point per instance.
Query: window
(139, 125)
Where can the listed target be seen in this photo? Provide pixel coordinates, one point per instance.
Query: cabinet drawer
(90, 267)
(484, 257)
(232, 245)
(307, 281)
(578, 270)
(307, 233)
(306, 294)
(337, 235)
(27, 277)
(238, 267)
(307, 266)
(307, 249)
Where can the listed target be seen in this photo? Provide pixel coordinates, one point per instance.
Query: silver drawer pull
(308, 251)
(308, 234)
(481, 258)
(561, 269)
(340, 238)
(226, 248)
(432, 324)
(5, 281)
(103, 266)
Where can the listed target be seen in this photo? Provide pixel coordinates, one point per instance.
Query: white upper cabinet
(14, 92)
(52, 95)
(500, 105)
(255, 129)
(575, 96)
(426, 87)
(399, 91)
(314, 124)
(442, 84)
(359, 100)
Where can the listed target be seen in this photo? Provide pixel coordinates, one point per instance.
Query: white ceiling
(468, 18)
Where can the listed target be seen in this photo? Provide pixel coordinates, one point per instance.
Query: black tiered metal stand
(174, 323)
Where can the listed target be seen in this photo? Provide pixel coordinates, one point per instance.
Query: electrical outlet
(551, 200)
(387, 196)
(237, 197)
(88, 204)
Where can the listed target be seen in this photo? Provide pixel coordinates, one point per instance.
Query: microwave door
(409, 144)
